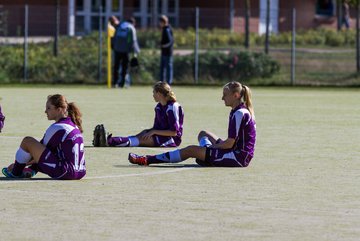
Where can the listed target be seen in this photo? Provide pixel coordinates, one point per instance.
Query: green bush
(220, 38)
(334, 39)
(78, 63)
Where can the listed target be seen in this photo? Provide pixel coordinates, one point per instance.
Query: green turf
(303, 183)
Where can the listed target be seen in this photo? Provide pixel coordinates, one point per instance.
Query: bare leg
(149, 142)
(145, 141)
(34, 147)
(197, 152)
(29, 153)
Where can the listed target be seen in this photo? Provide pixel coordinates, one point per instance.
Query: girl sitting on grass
(236, 151)
(60, 154)
(166, 131)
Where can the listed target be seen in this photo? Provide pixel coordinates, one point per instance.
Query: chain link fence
(309, 61)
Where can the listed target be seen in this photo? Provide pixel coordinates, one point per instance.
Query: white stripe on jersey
(230, 156)
(175, 109)
(55, 128)
(170, 141)
(52, 165)
(238, 115)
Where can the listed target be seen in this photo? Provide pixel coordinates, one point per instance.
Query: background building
(79, 17)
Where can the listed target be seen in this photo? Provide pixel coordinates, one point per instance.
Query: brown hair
(245, 95)
(131, 20)
(165, 89)
(59, 101)
(114, 21)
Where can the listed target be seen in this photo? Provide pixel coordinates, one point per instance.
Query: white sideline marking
(179, 169)
(11, 137)
(143, 174)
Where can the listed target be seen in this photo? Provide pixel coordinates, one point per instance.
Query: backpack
(123, 40)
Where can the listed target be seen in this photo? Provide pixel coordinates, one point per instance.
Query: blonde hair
(245, 95)
(165, 89)
(59, 101)
(164, 19)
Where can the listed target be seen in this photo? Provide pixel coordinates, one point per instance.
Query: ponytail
(75, 115)
(247, 100)
(165, 89)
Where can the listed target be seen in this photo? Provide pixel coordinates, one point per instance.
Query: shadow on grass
(26, 179)
(159, 166)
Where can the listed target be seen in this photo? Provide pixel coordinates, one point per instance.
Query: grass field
(303, 183)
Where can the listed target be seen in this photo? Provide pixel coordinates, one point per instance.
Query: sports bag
(123, 41)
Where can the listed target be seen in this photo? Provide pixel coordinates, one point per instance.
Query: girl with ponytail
(235, 151)
(166, 131)
(60, 154)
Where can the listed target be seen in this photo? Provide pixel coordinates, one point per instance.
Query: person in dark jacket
(167, 42)
(123, 43)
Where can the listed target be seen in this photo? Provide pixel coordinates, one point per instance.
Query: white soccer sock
(22, 156)
(134, 141)
(204, 141)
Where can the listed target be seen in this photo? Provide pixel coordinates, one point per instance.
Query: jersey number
(79, 151)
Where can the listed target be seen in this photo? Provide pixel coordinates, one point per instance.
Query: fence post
(293, 46)
(57, 28)
(357, 36)
(26, 32)
(232, 15)
(100, 43)
(196, 51)
(247, 23)
(267, 26)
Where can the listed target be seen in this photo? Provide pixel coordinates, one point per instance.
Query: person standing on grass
(167, 43)
(166, 131)
(2, 119)
(60, 154)
(124, 42)
(345, 14)
(236, 151)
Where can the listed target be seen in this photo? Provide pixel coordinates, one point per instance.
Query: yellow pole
(110, 34)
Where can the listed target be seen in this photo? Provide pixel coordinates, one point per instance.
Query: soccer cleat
(8, 174)
(109, 140)
(136, 159)
(27, 173)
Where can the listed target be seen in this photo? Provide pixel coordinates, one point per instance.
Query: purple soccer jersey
(2, 119)
(169, 117)
(64, 157)
(242, 128)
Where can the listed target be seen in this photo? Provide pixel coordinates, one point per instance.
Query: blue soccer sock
(167, 157)
(205, 141)
(134, 141)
